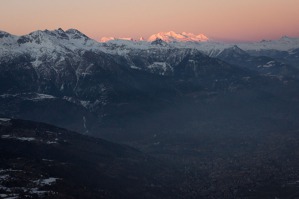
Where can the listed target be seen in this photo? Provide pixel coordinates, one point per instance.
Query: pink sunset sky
(240, 20)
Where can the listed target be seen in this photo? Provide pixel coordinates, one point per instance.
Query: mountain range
(170, 36)
(97, 78)
(224, 113)
(284, 43)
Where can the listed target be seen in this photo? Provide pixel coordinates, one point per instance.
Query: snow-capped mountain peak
(159, 42)
(6, 39)
(172, 36)
(56, 36)
(106, 39)
(45, 43)
(75, 34)
(4, 34)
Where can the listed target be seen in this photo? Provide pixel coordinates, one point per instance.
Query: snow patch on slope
(268, 64)
(28, 139)
(161, 67)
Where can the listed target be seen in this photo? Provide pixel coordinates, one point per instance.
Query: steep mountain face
(50, 56)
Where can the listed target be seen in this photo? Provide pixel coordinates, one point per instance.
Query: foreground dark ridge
(43, 161)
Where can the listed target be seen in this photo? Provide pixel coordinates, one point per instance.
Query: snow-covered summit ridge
(170, 36)
(45, 46)
(178, 37)
(42, 36)
(4, 34)
(42, 41)
(39, 43)
(71, 35)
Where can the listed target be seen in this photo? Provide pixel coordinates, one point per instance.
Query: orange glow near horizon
(217, 19)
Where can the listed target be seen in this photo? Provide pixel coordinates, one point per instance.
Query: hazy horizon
(228, 20)
(228, 40)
